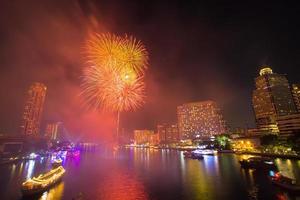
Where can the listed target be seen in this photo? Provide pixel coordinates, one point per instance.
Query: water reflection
(119, 185)
(288, 168)
(149, 174)
(30, 168)
(54, 193)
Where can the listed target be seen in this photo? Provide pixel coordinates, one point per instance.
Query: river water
(149, 174)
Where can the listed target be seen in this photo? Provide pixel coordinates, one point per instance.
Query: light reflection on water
(54, 193)
(30, 168)
(149, 174)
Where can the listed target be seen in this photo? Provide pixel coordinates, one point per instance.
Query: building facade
(296, 95)
(271, 98)
(200, 120)
(168, 133)
(33, 109)
(289, 124)
(143, 136)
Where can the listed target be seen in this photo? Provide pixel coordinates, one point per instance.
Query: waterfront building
(54, 130)
(142, 136)
(271, 98)
(200, 120)
(168, 133)
(33, 109)
(154, 139)
(296, 95)
(289, 124)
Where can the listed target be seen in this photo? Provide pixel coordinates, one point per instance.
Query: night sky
(198, 51)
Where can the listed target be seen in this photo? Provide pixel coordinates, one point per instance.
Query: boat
(257, 162)
(31, 156)
(9, 160)
(190, 154)
(43, 182)
(284, 182)
(187, 154)
(56, 163)
(197, 156)
(210, 152)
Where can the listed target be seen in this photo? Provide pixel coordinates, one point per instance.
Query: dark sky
(198, 51)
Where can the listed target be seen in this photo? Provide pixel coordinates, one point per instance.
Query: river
(149, 174)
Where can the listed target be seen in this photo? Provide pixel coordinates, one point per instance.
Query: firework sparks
(108, 50)
(115, 79)
(113, 89)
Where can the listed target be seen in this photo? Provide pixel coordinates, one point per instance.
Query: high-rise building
(33, 109)
(271, 98)
(54, 130)
(200, 120)
(143, 136)
(168, 133)
(289, 124)
(296, 95)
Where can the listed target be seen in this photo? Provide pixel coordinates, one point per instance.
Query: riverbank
(294, 157)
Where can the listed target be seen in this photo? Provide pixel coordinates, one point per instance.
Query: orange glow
(115, 79)
(121, 186)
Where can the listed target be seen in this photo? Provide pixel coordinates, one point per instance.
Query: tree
(268, 139)
(223, 142)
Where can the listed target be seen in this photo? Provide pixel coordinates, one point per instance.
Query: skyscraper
(33, 109)
(143, 136)
(271, 98)
(296, 95)
(168, 133)
(199, 120)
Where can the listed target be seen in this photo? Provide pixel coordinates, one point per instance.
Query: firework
(113, 89)
(108, 50)
(114, 81)
(133, 55)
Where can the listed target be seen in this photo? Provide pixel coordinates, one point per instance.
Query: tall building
(271, 98)
(200, 120)
(168, 133)
(143, 136)
(54, 130)
(296, 95)
(289, 124)
(33, 109)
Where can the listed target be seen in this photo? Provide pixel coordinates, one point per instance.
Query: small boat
(197, 156)
(257, 162)
(190, 154)
(187, 154)
(43, 182)
(210, 152)
(31, 156)
(56, 163)
(9, 160)
(285, 182)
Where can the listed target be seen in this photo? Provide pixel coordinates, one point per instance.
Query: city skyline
(211, 60)
(139, 99)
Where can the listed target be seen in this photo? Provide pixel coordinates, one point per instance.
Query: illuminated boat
(210, 152)
(285, 182)
(42, 182)
(9, 160)
(256, 162)
(190, 154)
(31, 156)
(56, 163)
